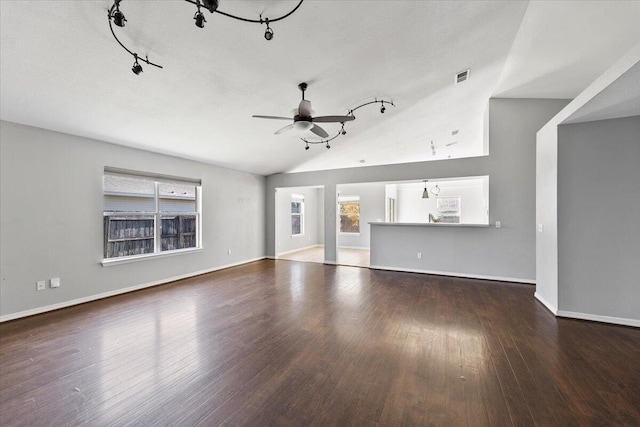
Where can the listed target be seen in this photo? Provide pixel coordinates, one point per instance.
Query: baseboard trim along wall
(299, 249)
(454, 274)
(553, 309)
(598, 318)
(90, 298)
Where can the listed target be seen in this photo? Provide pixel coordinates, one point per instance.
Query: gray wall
(599, 217)
(51, 217)
(371, 209)
(508, 252)
(287, 242)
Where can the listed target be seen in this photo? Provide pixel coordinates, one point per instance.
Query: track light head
(199, 17)
(383, 109)
(137, 68)
(344, 132)
(211, 5)
(306, 147)
(118, 18)
(328, 146)
(268, 33)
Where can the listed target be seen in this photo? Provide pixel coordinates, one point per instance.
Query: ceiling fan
(303, 118)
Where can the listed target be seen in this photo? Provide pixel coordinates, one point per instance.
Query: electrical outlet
(229, 252)
(41, 285)
(55, 282)
(540, 228)
(498, 224)
(419, 255)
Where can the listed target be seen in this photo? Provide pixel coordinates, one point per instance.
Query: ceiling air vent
(462, 76)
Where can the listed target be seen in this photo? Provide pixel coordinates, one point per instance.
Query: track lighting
(199, 17)
(137, 68)
(211, 5)
(115, 16)
(342, 130)
(268, 33)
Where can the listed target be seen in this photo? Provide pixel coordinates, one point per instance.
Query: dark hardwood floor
(289, 343)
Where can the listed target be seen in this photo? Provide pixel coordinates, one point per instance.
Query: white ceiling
(62, 70)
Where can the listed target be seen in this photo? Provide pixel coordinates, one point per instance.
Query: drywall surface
(599, 218)
(287, 242)
(371, 210)
(598, 98)
(51, 217)
(508, 252)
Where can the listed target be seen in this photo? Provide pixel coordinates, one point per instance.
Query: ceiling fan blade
(284, 129)
(319, 131)
(272, 117)
(333, 119)
(304, 109)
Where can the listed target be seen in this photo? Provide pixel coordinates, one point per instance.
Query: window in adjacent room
(448, 209)
(146, 214)
(297, 214)
(349, 214)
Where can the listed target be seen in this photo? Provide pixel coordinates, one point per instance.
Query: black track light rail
(253, 21)
(326, 141)
(268, 33)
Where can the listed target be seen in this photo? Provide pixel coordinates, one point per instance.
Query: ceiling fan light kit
(116, 16)
(303, 119)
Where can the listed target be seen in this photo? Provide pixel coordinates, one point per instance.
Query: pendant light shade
(425, 193)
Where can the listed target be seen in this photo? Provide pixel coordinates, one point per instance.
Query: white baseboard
(299, 249)
(354, 247)
(599, 318)
(552, 308)
(115, 292)
(454, 274)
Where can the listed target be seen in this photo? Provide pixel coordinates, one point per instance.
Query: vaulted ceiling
(62, 70)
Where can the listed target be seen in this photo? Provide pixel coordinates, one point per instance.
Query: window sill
(135, 258)
(349, 234)
(297, 235)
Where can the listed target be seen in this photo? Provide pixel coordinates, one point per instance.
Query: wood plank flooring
(289, 343)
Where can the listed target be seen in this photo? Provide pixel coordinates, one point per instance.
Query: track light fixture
(268, 33)
(342, 130)
(117, 17)
(137, 68)
(211, 5)
(199, 17)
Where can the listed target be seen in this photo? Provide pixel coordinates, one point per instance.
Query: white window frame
(348, 199)
(157, 216)
(297, 198)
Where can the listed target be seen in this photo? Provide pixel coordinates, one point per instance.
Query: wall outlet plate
(41, 285)
(55, 282)
(419, 255)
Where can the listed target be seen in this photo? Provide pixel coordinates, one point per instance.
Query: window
(349, 214)
(146, 214)
(297, 214)
(448, 209)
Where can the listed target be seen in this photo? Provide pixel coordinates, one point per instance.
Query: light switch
(540, 228)
(55, 282)
(498, 224)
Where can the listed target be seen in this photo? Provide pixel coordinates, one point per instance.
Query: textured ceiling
(62, 70)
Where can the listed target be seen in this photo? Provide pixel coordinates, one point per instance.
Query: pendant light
(425, 193)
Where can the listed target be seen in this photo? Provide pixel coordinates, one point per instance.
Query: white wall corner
(553, 309)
